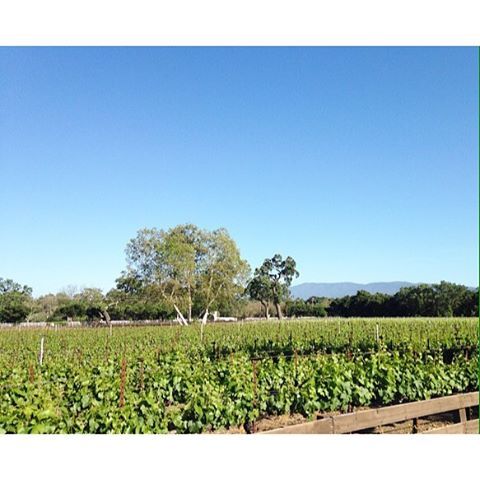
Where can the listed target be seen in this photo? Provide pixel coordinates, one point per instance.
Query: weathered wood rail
(367, 419)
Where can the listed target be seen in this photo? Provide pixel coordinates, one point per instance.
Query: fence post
(415, 425)
(462, 413)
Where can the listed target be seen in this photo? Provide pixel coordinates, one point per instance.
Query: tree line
(436, 300)
(186, 272)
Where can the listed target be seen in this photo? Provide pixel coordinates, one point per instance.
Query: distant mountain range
(333, 290)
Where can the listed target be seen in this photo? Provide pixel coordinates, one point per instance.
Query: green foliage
(301, 308)
(14, 301)
(438, 300)
(186, 268)
(9, 286)
(75, 309)
(13, 307)
(141, 311)
(272, 280)
(260, 288)
(170, 380)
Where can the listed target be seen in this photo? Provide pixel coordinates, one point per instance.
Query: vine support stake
(142, 380)
(254, 368)
(377, 334)
(123, 379)
(40, 355)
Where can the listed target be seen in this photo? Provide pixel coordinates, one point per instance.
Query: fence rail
(371, 418)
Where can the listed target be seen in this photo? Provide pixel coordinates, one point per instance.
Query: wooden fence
(371, 418)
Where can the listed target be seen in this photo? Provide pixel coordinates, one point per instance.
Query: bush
(13, 311)
(300, 308)
(37, 317)
(140, 311)
(73, 309)
(14, 301)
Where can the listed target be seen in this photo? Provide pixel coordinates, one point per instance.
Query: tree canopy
(438, 300)
(14, 301)
(272, 280)
(187, 267)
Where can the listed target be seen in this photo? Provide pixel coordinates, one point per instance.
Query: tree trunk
(106, 316)
(267, 313)
(279, 311)
(204, 319)
(182, 320)
(189, 305)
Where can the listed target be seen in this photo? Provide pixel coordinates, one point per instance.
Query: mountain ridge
(340, 289)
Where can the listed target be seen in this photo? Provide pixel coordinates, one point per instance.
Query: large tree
(186, 265)
(222, 273)
(272, 281)
(260, 288)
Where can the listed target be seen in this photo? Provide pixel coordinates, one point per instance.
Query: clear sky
(361, 163)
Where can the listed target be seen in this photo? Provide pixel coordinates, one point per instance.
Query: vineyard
(226, 376)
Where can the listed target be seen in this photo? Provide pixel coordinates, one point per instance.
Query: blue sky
(361, 163)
